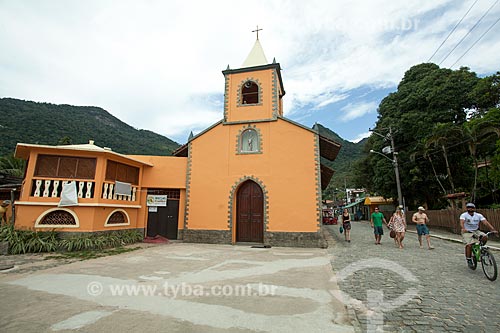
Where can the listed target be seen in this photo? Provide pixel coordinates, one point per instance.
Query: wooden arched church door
(250, 213)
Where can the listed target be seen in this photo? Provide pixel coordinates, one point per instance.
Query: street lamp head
(379, 153)
(387, 150)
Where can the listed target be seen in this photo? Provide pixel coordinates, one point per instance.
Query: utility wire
(452, 31)
(484, 33)
(468, 33)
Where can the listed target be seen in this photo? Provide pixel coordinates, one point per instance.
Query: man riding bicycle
(469, 222)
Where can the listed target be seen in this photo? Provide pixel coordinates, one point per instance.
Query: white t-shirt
(471, 223)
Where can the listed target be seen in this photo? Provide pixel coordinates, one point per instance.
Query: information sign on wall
(156, 200)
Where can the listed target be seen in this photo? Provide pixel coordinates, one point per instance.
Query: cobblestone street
(449, 297)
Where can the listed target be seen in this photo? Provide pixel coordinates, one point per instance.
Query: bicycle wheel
(489, 265)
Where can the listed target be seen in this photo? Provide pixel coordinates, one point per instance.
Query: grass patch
(92, 254)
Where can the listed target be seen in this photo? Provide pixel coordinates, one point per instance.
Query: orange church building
(254, 176)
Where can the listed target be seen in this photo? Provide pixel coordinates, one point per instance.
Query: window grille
(65, 167)
(58, 217)
(172, 194)
(117, 218)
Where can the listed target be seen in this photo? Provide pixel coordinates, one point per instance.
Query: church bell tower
(253, 93)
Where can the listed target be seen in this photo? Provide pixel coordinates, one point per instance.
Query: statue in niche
(249, 141)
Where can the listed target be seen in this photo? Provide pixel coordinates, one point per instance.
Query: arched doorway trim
(232, 202)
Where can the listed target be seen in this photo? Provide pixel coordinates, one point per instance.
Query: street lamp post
(394, 161)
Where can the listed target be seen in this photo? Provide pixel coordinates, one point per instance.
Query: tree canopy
(444, 123)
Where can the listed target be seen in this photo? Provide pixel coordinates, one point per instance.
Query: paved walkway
(184, 287)
(412, 289)
(179, 287)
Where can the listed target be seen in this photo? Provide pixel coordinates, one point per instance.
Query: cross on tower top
(257, 31)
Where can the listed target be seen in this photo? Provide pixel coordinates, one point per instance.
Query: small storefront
(163, 213)
(386, 206)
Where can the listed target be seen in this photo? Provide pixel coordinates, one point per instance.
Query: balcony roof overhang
(23, 151)
(328, 149)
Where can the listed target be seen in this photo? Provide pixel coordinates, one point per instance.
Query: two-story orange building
(254, 176)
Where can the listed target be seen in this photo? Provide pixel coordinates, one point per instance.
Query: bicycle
(480, 252)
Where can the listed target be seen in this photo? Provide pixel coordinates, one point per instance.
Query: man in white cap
(421, 219)
(469, 222)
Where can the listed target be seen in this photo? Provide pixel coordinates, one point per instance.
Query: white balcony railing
(51, 188)
(108, 192)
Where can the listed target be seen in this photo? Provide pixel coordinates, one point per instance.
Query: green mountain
(51, 124)
(349, 153)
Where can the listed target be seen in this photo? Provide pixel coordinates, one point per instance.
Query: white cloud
(353, 111)
(151, 63)
(361, 136)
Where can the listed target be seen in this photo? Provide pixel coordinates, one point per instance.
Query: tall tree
(481, 133)
(427, 95)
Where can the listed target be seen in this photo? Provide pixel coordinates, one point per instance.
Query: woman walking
(346, 224)
(398, 224)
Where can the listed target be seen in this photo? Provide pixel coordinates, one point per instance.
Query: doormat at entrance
(155, 239)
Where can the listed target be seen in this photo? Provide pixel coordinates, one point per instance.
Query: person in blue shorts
(421, 219)
(376, 221)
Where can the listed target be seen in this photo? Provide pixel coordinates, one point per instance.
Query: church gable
(256, 176)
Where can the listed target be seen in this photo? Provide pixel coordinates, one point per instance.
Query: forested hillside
(51, 124)
(349, 153)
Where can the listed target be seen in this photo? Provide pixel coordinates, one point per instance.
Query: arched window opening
(250, 93)
(58, 218)
(117, 217)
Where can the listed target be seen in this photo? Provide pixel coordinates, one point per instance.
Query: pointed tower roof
(256, 57)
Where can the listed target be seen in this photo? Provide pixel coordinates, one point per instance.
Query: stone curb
(453, 239)
(495, 248)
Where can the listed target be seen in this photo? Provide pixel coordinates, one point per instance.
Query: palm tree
(478, 132)
(12, 166)
(423, 148)
(444, 134)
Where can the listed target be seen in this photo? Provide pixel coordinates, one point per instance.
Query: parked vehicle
(328, 217)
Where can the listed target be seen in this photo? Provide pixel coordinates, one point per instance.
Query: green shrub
(29, 241)
(98, 241)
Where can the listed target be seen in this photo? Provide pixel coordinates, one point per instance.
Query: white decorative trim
(32, 203)
(117, 224)
(52, 226)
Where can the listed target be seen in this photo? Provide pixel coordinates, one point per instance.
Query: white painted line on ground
(80, 320)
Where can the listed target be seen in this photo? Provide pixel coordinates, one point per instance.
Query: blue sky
(157, 64)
